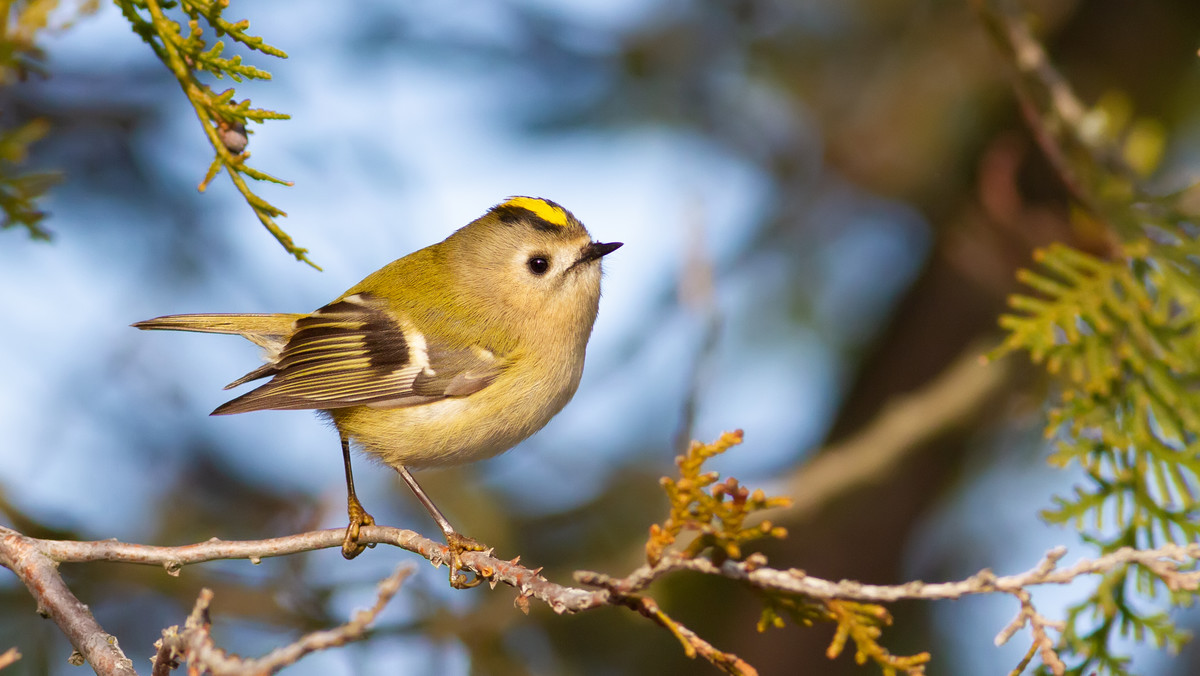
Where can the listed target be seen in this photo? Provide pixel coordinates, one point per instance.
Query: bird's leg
(358, 516)
(456, 542)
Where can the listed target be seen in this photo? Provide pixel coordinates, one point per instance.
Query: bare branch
(9, 657)
(1165, 562)
(173, 559)
(195, 644)
(693, 645)
(1038, 625)
(39, 574)
(1053, 111)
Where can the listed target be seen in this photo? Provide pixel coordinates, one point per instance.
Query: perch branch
(35, 563)
(1163, 562)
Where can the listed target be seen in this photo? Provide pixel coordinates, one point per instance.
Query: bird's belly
(457, 430)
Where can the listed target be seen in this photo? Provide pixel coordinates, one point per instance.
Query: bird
(449, 355)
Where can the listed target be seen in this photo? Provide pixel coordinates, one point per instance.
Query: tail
(268, 331)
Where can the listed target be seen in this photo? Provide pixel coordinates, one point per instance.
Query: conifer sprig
(1121, 337)
(199, 47)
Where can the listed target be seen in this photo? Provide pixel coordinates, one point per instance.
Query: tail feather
(270, 331)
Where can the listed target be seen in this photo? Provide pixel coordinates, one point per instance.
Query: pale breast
(459, 430)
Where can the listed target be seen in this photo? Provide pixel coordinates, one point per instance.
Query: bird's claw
(359, 517)
(456, 544)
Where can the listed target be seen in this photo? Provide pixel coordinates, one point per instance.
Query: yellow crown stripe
(551, 213)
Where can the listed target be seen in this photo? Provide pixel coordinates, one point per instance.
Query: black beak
(596, 250)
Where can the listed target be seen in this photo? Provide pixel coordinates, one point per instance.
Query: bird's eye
(538, 265)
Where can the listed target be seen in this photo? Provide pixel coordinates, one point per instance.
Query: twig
(1038, 626)
(1059, 122)
(697, 291)
(173, 559)
(9, 657)
(1024, 663)
(195, 645)
(1165, 562)
(693, 645)
(227, 136)
(1051, 149)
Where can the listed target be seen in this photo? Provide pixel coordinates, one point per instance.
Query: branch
(17, 550)
(1059, 123)
(1038, 625)
(9, 657)
(222, 118)
(693, 645)
(1012, 33)
(1165, 562)
(173, 559)
(959, 393)
(195, 644)
(39, 573)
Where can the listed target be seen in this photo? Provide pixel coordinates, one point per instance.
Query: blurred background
(823, 205)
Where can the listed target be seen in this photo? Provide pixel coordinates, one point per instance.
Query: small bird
(451, 354)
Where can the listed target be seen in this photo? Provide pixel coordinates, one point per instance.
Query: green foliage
(717, 511)
(1122, 338)
(1120, 334)
(19, 191)
(717, 515)
(20, 24)
(861, 623)
(199, 49)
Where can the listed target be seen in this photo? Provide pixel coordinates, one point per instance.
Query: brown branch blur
(1055, 114)
(956, 396)
(9, 657)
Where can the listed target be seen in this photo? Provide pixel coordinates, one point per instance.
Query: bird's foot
(359, 517)
(457, 543)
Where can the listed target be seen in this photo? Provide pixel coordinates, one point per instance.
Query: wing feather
(354, 352)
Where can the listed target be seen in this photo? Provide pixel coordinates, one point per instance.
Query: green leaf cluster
(860, 623)
(1122, 338)
(20, 23)
(20, 56)
(19, 191)
(717, 512)
(194, 43)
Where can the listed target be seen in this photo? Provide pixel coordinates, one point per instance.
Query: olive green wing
(354, 352)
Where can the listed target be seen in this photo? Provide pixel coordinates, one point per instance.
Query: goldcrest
(451, 354)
